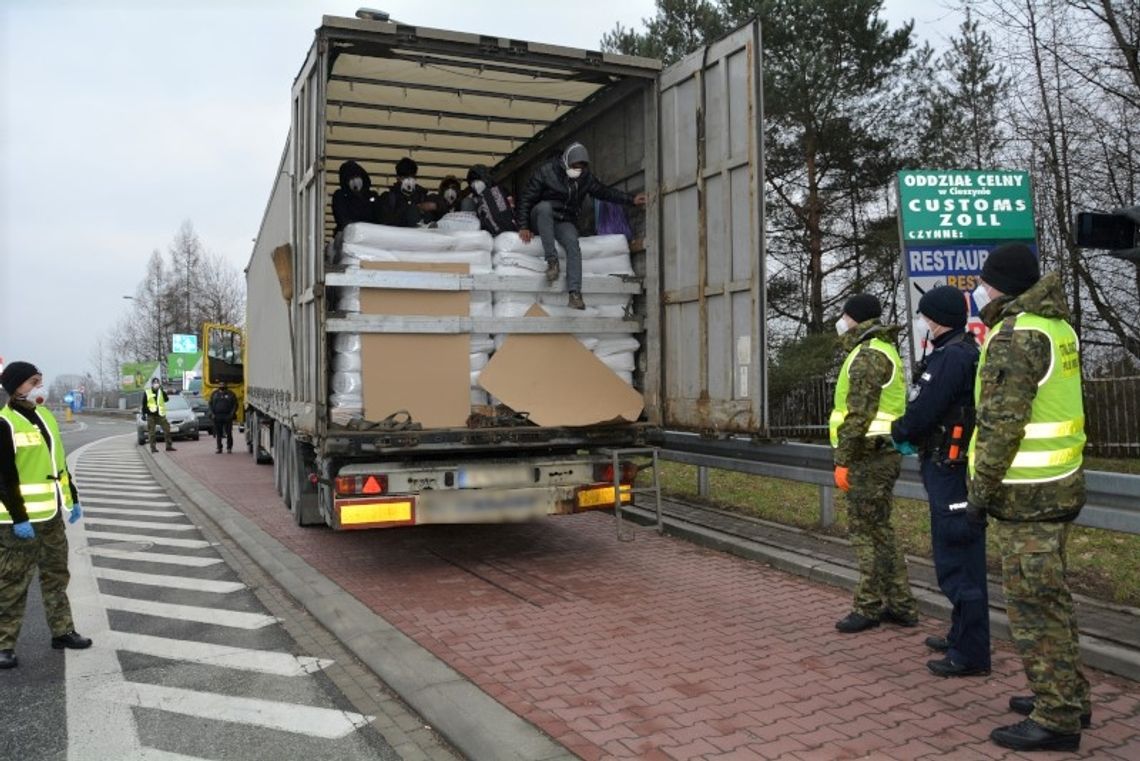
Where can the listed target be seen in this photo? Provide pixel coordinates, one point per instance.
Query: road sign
(184, 343)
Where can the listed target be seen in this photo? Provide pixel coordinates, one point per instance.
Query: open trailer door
(711, 233)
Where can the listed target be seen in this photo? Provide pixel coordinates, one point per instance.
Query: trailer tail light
(605, 473)
(375, 513)
(361, 484)
(601, 496)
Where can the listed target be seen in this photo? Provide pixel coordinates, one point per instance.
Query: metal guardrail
(1113, 499)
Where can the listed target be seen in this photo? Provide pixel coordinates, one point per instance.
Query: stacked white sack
(601, 255)
(380, 243)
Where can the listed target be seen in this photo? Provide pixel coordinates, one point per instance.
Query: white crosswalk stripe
(105, 484)
(152, 557)
(234, 619)
(121, 501)
(170, 582)
(99, 511)
(152, 525)
(162, 541)
(241, 658)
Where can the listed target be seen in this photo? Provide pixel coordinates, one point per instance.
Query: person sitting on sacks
(551, 203)
(406, 204)
(489, 202)
(447, 198)
(355, 200)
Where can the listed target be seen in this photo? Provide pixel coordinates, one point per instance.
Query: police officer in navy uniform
(937, 426)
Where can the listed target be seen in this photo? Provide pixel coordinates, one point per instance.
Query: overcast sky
(119, 119)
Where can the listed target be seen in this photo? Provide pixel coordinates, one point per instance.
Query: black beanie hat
(1012, 269)
(16, 374)
(405, 167)
(944, 305)
(862, 307)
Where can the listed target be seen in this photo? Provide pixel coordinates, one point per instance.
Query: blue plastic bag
(610, 219)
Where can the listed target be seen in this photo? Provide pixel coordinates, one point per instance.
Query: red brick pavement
(658, 649)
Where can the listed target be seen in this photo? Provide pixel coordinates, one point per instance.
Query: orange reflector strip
(375, 512)
(371, 486)
(602, 496)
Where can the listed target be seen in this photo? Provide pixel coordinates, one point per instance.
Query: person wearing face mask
(1026, 470)
(35, 489)
(870, 394)
(488, 202)
(937, 425)
(448, 196)
(406, 204)
(154, 412)
(355, 200)
(551, 203)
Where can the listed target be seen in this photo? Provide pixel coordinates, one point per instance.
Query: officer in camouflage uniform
(1026, 471)
(869, 395)
(35, 487)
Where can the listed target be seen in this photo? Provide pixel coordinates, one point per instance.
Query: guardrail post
(702, 481)
(826, 505)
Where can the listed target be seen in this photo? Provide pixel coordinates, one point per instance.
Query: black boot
(575, 301)
(948, 667)
(856, 622)
(938, 644)
(1023, 704)
(899, 619)
(552, 270)
(1029, 735)
(8, 659)
(71, 640)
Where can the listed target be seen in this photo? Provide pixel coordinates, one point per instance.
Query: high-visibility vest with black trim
(892, 399)
(1054, 441)
(155, 403)
(42, 465)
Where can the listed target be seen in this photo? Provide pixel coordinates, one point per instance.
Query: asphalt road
(188, 661)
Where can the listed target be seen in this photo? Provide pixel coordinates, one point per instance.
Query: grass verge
(1103, 565)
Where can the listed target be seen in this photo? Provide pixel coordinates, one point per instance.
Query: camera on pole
(1118, 232)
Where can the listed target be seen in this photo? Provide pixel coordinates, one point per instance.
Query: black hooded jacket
(551, 183)
(349, 207)
(401, 209)
(492, 206)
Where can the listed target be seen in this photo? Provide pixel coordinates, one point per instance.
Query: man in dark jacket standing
(551, 203)
(355, 200)
(406, 204)
(223, 407)
(937, 425)
(1026, 469)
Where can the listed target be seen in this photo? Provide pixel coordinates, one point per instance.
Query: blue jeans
(566, 233)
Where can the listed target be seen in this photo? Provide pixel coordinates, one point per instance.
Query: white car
(183, 422)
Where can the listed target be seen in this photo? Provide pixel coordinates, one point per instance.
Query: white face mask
(841, 326)
(573, 173)
(478, 186)
(450, 195)
(981, 297)
(37, 394)
(408, 184)
(356, 184)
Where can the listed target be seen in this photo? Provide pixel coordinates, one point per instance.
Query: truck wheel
(302, 492)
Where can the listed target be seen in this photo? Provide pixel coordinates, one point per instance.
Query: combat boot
(1029, 735)
(949, 667)
(1023, 704)
(72, 640)
(575, 301)
(937, 644)
(899, 619)
(856, 622)
(552, 270)
(8, 659)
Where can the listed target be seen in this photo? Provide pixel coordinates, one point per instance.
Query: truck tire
(302, 492)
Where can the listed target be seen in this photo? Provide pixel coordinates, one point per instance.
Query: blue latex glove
(76, 513)
(24, 530)
(905, 448)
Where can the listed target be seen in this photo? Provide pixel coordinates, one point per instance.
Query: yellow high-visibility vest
(892, 400)
(42, 465)
(155, 403)
(1054, 441)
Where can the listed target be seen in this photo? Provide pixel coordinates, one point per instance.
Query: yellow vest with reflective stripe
(42, 465)
(155, 403)
(892, 400)
(1054, 441)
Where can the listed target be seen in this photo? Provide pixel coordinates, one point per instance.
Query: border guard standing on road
(35, 488)
(869, 395)
(937, 426)
(154, 411)
(1027, 472)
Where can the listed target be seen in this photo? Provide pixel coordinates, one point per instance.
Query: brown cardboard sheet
(558, 381)
(429, 375)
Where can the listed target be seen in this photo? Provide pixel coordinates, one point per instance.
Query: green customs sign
(949, 221)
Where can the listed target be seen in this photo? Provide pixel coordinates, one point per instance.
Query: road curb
(1095, 652)
(473, 722)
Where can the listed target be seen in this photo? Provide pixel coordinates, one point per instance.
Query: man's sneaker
(71, 641)
(1023, 704)
(937, 644)
(552, 270)
(1029, 735)
(856, 622)
(899, 619)
(575, 301)
(947, 667)
(8, 659)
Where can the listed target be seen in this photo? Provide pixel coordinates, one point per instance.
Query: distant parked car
(183, 422)
(201, 409)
